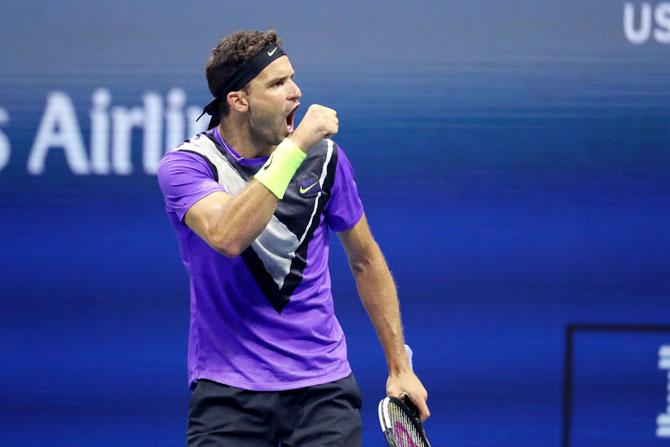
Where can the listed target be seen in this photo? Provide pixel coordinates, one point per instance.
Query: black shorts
(319, 415)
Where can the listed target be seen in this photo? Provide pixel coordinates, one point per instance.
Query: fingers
(330, 122)
(410, 387)
(319, 122)
(422, 406)
(419, 401)
(332, 127)
(324, 109)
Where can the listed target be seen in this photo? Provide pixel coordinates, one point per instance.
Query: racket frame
(385, 420)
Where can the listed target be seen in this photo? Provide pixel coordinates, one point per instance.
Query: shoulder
(190, 155)
(326, 154)
(181, 161)
(329, 148)
(330, 155)
(323, 148)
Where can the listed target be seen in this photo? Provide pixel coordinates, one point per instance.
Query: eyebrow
(279, 78)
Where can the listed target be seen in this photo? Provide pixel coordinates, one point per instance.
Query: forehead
(279, 68)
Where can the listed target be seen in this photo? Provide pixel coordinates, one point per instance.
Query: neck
(242, 140)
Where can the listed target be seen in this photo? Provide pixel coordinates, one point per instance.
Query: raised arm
(230, 223)
(378, 294)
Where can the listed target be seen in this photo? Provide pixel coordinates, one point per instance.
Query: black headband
(240, 78)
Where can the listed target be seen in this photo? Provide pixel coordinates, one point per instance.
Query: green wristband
(278, 171)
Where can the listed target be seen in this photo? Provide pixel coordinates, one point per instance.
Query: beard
(267, 128)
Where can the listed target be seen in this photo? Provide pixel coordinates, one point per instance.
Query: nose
(294, 90)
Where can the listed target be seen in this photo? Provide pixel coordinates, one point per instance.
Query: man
(252, 201)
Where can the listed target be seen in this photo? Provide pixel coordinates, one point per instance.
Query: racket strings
(403, 427)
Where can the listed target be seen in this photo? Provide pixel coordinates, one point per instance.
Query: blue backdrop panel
(616, 374)
(512, 158)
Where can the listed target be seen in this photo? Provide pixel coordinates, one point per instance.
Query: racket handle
(412, 408)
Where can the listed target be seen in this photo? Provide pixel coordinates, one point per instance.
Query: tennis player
(253, 200)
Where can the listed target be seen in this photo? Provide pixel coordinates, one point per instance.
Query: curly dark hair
(230, 53)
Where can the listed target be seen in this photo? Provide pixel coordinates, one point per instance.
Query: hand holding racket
(400, 421)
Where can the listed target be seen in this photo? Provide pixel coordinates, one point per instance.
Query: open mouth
(290, 120)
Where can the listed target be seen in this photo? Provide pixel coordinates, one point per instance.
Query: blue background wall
(513, 159)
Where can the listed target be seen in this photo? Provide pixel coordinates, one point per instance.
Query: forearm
(379, 297)
(378, 294)
(243, 217)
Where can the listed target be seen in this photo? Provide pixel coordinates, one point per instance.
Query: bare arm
(230, 223)
(378, 293)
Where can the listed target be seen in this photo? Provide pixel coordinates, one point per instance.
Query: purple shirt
(265, 319)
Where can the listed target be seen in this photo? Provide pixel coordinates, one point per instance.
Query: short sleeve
(344, 208)
(184, 178)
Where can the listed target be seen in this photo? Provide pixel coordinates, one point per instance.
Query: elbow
(227, 246)
(366, 260)
(229, 252)
(360, 266)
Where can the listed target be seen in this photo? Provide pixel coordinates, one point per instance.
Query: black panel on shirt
(295, 209)
(294, 278)
(264, 280)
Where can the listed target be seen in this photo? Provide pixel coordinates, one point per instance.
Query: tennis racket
(401, 424)
(400, 420)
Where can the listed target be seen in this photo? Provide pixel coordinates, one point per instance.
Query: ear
(237, 100)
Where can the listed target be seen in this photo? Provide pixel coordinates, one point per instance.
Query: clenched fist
(319, 122)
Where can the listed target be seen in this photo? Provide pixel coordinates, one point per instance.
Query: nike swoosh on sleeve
(304, 190)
